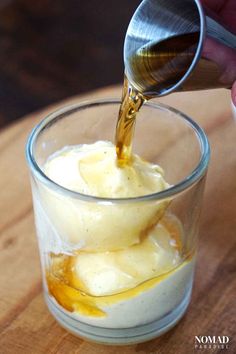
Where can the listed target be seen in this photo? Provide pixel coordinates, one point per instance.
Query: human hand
(226, 12)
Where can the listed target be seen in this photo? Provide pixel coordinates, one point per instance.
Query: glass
(82, 234)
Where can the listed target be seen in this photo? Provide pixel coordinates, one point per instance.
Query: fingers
(215, 5)
(225, 9)
(228, 14)
(225, 59)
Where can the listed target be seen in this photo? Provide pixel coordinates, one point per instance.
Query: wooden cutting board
(26, 327)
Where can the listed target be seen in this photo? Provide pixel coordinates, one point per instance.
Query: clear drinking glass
(87, 233)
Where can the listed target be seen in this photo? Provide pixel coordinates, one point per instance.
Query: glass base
(124, 336)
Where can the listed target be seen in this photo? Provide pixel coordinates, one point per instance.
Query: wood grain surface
(26, 327)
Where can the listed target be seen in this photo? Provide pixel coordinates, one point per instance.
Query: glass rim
(175, 189)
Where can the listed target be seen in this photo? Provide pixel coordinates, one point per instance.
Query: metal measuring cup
(178, 45)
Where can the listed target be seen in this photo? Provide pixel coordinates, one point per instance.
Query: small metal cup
(177, 45)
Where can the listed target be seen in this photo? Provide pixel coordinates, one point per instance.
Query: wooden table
(25, 323)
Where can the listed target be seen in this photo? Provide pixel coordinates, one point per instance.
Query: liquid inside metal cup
(174, 45)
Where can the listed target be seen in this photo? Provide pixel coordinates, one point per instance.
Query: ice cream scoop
(93, 170)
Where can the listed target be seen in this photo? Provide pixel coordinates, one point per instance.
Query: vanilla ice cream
(111, 264)
(93, 170)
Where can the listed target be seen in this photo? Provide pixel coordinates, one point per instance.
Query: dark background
(52, 49)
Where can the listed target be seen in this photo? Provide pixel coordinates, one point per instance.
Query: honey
(132, 101)
(155, 67)
(71, 293)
